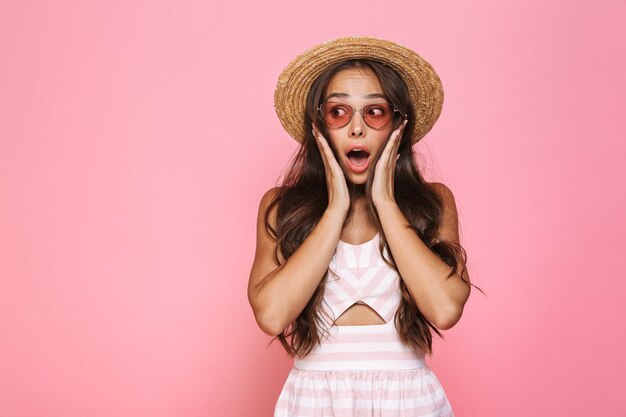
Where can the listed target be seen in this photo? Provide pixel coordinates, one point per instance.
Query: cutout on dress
(368, 309)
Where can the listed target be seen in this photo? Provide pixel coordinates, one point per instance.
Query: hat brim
(294, 83)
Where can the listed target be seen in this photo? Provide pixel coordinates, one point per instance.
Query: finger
(399, 131)
(396, 142)
(328, 155)
(327, 149)
(320, 147)
(391, 148)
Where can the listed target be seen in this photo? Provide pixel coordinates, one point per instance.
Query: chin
(358, 179)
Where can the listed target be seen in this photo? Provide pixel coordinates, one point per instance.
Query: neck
(358, 201)
(357, 191)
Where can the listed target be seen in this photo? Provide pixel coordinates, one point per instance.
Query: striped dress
(362, 371)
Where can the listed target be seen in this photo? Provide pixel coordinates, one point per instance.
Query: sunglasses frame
(395, 109)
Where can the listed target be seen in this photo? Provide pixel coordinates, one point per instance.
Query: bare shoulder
(268, 197)
(443, 190)
(266, 200)
(265, 243)
(450, 222)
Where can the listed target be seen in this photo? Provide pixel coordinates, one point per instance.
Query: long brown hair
(302, 199)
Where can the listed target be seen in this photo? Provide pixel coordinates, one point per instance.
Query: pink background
(136, 139)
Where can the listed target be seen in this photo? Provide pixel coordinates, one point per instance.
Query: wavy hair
(302, 198)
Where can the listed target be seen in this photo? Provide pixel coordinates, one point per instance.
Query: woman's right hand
(338, 195)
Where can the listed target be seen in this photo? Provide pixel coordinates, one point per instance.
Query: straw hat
(295, 81)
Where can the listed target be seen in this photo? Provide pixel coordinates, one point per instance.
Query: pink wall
(136, 139)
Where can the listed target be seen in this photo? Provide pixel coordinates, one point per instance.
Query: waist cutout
(367, 347)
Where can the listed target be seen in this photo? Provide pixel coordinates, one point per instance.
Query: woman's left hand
(382, 186)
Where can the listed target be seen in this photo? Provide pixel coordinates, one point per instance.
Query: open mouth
(358, 156)
(358, 159)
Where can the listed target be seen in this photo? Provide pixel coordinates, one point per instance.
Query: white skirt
(362, 371)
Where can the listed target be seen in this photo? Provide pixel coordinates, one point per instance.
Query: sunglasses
(376, 116)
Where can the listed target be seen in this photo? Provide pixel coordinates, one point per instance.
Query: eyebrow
(345, 95)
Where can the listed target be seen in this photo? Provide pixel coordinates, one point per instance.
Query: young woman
(358, 258)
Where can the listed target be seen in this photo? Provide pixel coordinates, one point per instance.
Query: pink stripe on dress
(362, 347)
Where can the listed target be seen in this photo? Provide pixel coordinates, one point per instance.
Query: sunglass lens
(336, 114)
(378, 116)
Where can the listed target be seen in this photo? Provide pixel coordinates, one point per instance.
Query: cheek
(382, 140)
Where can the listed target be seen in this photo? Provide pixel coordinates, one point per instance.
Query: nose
(357, 125)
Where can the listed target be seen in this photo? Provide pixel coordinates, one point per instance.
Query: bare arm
(439, 298)
(279, 301)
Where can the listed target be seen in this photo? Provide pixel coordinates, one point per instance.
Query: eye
(377, 110)
(338, 111)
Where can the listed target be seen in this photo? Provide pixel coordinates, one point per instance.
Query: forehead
(355, 82)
